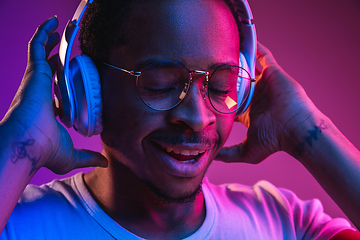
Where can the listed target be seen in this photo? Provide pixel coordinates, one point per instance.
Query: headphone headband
(246, 19)
(66, 86)
(80, 10)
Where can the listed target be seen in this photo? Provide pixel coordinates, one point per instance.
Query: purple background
(317, 42)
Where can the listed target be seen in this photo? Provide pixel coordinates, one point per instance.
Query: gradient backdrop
(317, 42)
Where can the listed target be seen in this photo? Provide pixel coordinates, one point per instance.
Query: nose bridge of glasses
(204, 87)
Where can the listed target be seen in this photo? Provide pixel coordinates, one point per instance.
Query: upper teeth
(183, 152)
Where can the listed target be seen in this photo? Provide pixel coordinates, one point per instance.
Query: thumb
(88, 158)
(230, 154)
(243, 152)
(82, 158)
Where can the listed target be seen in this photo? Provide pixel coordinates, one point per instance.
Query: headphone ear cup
(87, 91)
(243, 85)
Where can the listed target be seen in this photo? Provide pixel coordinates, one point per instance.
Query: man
(147, 184)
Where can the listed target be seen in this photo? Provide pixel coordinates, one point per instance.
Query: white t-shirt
(65, 210)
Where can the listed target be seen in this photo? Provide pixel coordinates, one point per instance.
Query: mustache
(179, 137)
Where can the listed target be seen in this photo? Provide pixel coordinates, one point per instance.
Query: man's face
(156, 145)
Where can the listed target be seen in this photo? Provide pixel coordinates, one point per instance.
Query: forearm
(332, 160)
(30, 135)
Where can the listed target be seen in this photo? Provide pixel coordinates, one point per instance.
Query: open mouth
(183, 160)
(183, 155)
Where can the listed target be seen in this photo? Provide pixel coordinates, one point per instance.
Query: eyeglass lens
(163, 84)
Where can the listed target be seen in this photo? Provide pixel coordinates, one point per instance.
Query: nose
(195, 110)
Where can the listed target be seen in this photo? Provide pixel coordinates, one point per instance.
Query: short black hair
(103, 28)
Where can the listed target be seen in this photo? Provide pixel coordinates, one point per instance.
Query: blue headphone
(77, 84)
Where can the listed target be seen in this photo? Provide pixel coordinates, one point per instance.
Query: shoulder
(57, 192)
(45, 206)
(262, 193)
(267, 207)
(55, 210)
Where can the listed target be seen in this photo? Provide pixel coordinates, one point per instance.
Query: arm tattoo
(308, 140)
(19, 152)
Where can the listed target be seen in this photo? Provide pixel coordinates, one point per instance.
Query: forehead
(197, 33)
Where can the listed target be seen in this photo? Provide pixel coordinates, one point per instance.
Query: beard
(165, 198)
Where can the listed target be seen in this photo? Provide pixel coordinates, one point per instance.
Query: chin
(179, 190)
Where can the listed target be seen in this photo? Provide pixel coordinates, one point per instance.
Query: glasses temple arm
(132, 72)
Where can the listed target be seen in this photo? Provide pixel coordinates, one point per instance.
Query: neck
(128, 201)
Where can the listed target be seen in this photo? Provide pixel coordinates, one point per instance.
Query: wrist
(23, 148)
(305, 139)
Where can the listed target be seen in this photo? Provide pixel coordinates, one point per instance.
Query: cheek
(119, 102)
(224, 126)
(121, 108)
(126, 119)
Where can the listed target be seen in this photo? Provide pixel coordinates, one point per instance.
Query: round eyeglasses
(162, 85)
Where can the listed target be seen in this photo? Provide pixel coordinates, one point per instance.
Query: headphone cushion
(243, 63)
(91, 123)
(244, 86)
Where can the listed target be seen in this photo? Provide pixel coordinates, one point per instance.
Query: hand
(32, 108)
(278, 108)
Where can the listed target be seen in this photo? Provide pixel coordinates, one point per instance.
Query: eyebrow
(139, 66)
(221, 64)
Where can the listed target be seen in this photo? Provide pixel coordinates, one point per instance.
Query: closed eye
(219, 91)
(159, 90)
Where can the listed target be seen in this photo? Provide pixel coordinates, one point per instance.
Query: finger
(264, 56)
(53, 62)
(244, 118)
(88, 158)
(244, 152)
(53, 40)
(37, 43)
(230, 154)
(55, 108)
(257, 71)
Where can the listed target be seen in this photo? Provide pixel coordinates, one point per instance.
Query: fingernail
(104, 164)
(55, 16)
